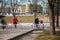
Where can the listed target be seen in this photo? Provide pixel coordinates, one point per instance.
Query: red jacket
(15, 21)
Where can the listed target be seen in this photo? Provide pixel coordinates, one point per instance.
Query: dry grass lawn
(21, 19)
(28, 19)
(46, 36)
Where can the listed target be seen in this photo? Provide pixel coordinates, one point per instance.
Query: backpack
(36, 21)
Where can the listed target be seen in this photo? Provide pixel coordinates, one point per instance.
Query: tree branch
(49, 2)
(53, 2)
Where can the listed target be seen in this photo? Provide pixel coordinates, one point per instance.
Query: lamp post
(30, 6)
(35, 8)
(13, 5)
(12, 8)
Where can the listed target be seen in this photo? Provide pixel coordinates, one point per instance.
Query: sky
(7, 2)
(24, 1)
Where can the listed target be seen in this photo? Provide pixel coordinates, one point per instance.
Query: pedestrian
(37, 22)
(41, 25)
(15, 21)
(4, 23)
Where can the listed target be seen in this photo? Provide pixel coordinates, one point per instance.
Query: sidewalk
(11, 33)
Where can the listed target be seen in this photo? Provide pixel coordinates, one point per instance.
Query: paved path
(10, 33)
(30, 36)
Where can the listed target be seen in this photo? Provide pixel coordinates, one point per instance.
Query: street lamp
(35, 8)
(13, 7)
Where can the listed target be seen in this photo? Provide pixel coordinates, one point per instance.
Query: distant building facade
(28, 8)
(45, 7)
(23, 9)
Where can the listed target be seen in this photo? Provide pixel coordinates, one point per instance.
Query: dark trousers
(37, 26)
(3, 26)
(15, 25)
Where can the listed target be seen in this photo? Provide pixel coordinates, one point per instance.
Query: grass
(21, 19)
(46, 36)
(8, 19)
(26, 19)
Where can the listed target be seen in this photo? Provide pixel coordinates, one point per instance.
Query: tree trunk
(52, 22)
(57, 22)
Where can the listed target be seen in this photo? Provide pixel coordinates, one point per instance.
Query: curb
(14, 38)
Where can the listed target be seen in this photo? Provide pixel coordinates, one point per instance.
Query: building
(28, 8)
(23, 9)
(45, 7)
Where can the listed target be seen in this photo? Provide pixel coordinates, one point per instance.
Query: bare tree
(52, 18)
(57, 13)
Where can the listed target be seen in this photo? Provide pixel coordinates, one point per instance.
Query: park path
(11, 33)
